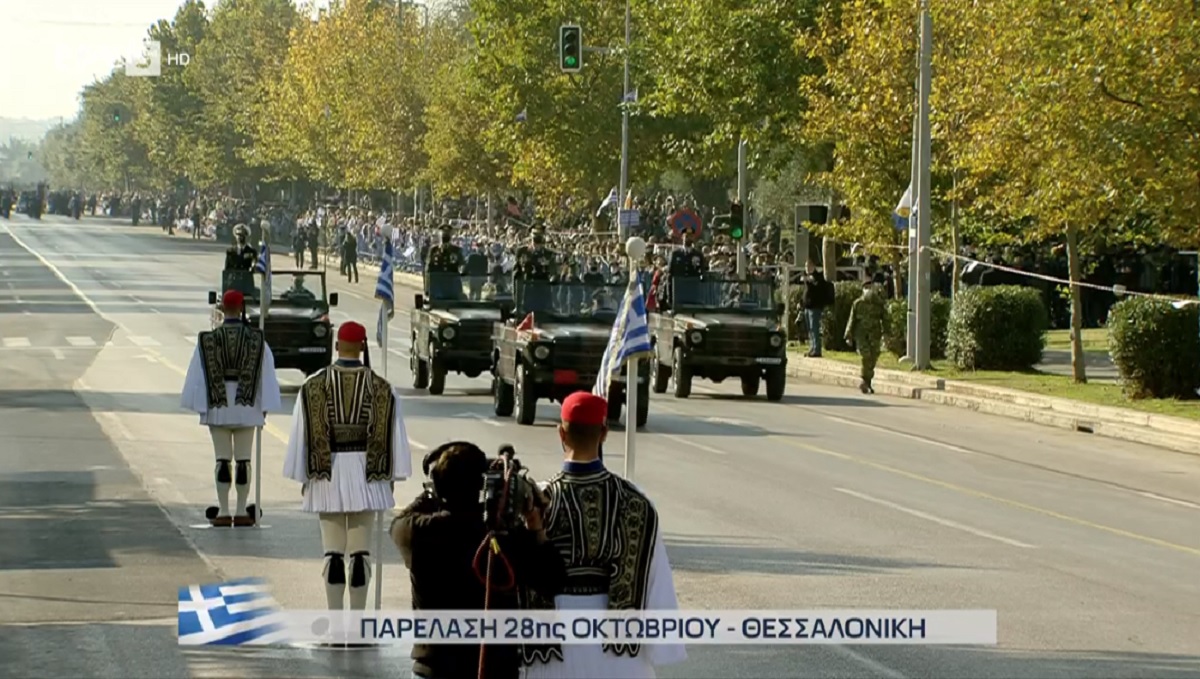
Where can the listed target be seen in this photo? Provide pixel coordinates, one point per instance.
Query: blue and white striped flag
(608, 200)
(263, 266)
(630, 338)
(235, 613)
(903, 210)
(385, 291)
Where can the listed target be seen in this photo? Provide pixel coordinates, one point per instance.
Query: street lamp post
(624, 129)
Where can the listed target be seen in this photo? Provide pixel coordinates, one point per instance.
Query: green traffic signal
(570, 45)
(736, 223)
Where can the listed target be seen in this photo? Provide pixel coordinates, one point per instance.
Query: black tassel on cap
(367, 354)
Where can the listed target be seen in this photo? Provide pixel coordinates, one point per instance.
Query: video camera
(507, 491)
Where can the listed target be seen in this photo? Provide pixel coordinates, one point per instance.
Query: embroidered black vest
(348, 409)
(232, 353)
(605, 529)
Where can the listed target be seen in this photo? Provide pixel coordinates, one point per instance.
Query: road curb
(1162, 431)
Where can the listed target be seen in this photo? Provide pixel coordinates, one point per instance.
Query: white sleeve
(195, 387)
(295, 465)
(270, 399)
(401, 449)
(660, 595)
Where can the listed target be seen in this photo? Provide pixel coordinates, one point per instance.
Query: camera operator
(440, 537)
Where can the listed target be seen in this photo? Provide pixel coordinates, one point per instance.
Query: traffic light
(570, 48)
(737, 229)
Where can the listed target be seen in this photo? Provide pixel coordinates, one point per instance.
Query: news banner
(243, 613)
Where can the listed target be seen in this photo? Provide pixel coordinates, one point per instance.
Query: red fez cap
(352, 332)
(232, 299)
(586, 408)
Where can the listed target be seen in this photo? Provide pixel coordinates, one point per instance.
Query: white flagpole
(636, 249)
(380, 516)
(258, 431)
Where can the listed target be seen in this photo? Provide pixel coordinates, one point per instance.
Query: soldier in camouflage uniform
(443, 269)
(865, 329)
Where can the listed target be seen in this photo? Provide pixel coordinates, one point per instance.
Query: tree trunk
(1078, 365)
(829, 259)
(956, 270)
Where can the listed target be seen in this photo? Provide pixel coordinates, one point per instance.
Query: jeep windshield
(300, 289)
(451, 290)
(724, 294)
(578, 302)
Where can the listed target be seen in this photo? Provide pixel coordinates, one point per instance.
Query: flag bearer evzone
(231, 383)
(348, 446)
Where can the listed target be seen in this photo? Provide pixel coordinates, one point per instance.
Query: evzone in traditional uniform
(609, 535)
(348, 446)
(231, 383)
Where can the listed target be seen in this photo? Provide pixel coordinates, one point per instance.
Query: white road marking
(401, 354)
(1171, 500)
(81, 341)
(935, 519)
(58, 353)
(144, 341)
(726, 420)
(16, 342)
(873, 665)
(481, 418)
(693, 444)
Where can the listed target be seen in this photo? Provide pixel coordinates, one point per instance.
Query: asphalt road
(1088, 548)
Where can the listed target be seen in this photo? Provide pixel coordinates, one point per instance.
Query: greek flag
(608, 200)
(235, 613)
(385, 291)
(263, 266)
(903, 210)
(630, 338)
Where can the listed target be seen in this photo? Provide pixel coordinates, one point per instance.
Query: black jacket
(439, 548)
(818, 292)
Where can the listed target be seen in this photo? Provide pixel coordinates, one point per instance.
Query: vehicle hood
(292, 313)
(703, 320)
(456, 315)
(556, 331)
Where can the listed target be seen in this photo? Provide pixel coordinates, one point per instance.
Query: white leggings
(342, 535)
(230, 444)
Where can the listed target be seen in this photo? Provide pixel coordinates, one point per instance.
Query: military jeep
(451, 331)
(549, 345)
(716, 329)
(297, 325)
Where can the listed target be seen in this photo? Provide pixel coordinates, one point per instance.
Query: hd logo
(150, 63)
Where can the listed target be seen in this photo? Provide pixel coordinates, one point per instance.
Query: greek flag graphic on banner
(630, 338)
(235, 613)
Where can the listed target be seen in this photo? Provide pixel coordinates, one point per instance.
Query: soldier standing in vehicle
(687, 265)
(241, 255)
(865, 329)
(443, 268)
(475, 268)
(535, 265)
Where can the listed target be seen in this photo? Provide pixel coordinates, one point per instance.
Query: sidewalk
(1172, 433)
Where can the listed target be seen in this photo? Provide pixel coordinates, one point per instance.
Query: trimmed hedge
(896, 331)
(835, 318)
(999, 327)
(1156, 348)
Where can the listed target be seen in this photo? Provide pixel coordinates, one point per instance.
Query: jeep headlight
(776, 341)
(541, 352)
(320, 331)
(695, 337)
(448, 332)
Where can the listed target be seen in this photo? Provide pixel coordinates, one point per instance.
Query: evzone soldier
(610, 538)
(240, 256)
(348, 446)
(231, 384)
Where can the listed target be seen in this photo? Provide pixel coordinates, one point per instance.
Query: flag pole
(263, 305)
(379, 516)
(636, 249)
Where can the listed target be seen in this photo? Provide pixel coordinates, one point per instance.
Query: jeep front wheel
(750, 384)
(420, 369)
(681, 374)
(437, 373)
(526, 397)
(502, 397)
(661, 376)
(776, 382)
